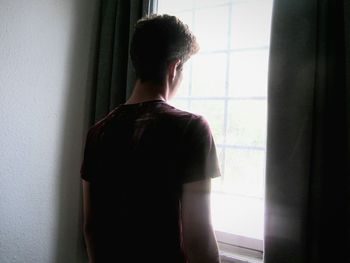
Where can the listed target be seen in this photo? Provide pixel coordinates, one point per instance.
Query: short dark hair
(157, 40)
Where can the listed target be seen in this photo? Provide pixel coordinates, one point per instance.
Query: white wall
(45, 79)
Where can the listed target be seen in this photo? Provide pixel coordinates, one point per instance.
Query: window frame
(228, 242)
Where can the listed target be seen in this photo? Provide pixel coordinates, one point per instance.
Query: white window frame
(233, 248)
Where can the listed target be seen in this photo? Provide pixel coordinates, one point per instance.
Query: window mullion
(189, 104)
(226, 92)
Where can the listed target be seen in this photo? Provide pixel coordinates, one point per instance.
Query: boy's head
(159, 41)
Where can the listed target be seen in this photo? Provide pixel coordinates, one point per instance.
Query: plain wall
(46, 56)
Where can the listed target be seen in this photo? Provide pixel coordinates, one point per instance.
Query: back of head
(158, 40)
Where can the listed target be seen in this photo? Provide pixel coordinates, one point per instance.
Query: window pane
(216, 182)
(248, 73)
(213, 111)
(211, 28)
(186, 17)
(247, 123)
(209, 75)
(238, 215)
(210, 3)
(237, 32)
(182, 104)
(171, 6)
(251, 23)
(183, 90)
(244, 172)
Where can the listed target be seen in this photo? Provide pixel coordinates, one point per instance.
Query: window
(227, 83)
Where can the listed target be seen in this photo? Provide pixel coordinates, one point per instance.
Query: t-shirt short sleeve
(200, 159)
(88, 166)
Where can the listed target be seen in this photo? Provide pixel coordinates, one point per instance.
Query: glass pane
(211, 28)
(171, 6)
(181, 104)
(221, 25)
(216, 182)
(209, 75)
(248, 73)
(247, 123)
(244, 172)
(183, 90)
(251, 21)
(210, 3)
(186, 17)
(243, 216)
(213, 112)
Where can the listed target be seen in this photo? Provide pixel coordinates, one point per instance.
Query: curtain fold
(113, 72)
(307, 216)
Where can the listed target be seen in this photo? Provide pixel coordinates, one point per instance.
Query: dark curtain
(114, 77)
(307, 216)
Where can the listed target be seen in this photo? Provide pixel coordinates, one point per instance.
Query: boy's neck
(146, 92)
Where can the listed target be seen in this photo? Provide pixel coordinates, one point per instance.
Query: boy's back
(136, 159)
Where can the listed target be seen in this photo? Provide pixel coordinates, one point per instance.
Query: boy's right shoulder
(181, 115)
(187, 120)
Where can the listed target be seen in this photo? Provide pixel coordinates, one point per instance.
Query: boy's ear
(173, 68)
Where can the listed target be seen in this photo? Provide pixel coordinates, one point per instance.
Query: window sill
(233, 254)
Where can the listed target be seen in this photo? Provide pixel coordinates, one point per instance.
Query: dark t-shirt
(136, 159)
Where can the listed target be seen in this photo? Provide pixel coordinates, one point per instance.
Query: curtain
(307, 215)
(113, 73)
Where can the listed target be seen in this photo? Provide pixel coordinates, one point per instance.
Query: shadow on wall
(69, 238)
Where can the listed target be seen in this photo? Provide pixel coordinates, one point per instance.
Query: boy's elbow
(87, 229)
(203, 251)
(203, 257)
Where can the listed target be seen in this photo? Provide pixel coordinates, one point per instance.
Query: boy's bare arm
(199, 239)
(88, 221)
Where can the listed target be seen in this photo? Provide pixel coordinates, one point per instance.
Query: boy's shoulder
(190, 119)
(164, 111)
(192, 123)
